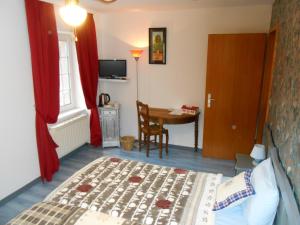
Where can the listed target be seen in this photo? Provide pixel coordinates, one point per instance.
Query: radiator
(70, 134)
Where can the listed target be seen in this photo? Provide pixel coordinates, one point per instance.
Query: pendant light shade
(72, 14)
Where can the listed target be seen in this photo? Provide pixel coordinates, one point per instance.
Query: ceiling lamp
(72, 14)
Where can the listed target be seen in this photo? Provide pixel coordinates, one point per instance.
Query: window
(65, 96)
(66, 72)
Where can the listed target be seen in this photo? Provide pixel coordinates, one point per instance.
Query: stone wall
(285, 98)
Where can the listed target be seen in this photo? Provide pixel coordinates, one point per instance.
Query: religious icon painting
(157, 45)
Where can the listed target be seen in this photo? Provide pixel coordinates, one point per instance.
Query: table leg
(196, 132)
(161, 124)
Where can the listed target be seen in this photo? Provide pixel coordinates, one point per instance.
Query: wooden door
(233, 85)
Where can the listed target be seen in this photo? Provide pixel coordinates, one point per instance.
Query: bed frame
(287, 212)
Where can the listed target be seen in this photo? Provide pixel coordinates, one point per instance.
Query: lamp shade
(72, 14)
(258, 152)
(136, 53)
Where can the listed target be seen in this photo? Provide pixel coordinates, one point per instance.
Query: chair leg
(160, 145)
(167, 142)
(140, 140)
(155, 139)
(148, 145)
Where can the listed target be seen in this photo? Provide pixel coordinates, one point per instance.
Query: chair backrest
(143, 114)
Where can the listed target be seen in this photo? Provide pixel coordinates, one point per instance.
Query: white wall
(182, 80)
(18, 155)
(18, 151)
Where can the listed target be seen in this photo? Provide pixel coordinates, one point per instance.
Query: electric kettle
(104, 99)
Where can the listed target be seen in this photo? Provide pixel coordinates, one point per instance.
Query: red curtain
(87, 55)
(45, 72)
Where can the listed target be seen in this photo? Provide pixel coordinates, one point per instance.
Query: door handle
(209, 100)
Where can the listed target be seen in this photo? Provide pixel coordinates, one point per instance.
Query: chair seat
(154, 130)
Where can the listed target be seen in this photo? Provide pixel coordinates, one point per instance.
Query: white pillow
(234, 191)
(260, 209)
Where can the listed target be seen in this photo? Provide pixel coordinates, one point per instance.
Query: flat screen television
(112, 68)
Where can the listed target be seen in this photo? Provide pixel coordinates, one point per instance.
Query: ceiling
(148, 5)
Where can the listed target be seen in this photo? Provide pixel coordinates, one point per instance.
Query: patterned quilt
(140, 192)
(113, 191)
(52, 213)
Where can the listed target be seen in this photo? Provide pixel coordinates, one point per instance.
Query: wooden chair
(148, 129)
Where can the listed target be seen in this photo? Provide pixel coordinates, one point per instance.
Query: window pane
(63, 49)
(64, 78)
(60, 83)
(64, 65)
(67, 99)
(65, 84)
(61, 99)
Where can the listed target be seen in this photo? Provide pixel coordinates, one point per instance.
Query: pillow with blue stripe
(234, 191)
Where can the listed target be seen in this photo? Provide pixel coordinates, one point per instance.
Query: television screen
(112, 68)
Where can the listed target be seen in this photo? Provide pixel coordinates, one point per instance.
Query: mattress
(141, 192)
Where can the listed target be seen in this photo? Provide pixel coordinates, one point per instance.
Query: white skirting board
(70, 134)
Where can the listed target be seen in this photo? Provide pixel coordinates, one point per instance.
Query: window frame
(68, 37)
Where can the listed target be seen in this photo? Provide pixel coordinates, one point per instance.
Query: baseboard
(179, 147)
(19, 191)
(73, 152)
(35, 181)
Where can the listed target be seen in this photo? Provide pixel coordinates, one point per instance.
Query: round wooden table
(163, 116)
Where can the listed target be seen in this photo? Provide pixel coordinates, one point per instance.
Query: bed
(141, 192)
(112, 190)
(137, 192)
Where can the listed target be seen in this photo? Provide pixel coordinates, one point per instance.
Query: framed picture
(157, 45)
